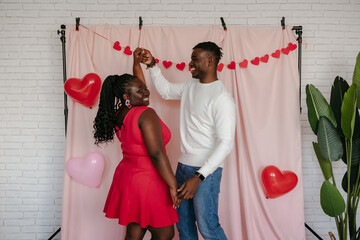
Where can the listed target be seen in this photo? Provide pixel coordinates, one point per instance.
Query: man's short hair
(211, 48)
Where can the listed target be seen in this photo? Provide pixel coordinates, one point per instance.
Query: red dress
(138, 193)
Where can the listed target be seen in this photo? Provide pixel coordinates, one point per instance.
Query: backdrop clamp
(77, 23)
(223, 23)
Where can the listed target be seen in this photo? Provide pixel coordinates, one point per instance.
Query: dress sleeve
(225, 121)
(166, 89)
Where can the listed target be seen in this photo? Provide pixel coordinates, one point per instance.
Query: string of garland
(232, 65)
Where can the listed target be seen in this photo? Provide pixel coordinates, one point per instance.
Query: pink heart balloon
(87, 170)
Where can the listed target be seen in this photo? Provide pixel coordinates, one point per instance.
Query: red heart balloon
(85, 91)
(277, 183)
(243, 64)
(180, 66)
(231, 65)
(167, 64)
(220, 67)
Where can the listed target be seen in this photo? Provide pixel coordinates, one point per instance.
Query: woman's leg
(164, 233)
(134, 232)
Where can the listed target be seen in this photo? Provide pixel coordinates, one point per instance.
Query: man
(207, 127)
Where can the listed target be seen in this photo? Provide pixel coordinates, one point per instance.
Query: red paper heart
(231, 65)
(243, 64)
(127, 50)
(180, 66)
(285, 50)
(264, 58)
(157, 60)
(167, 64)
(276, 54)
(255, 61)
(85, 91)
(277, 183)
(117, 46)
(220, 67)
(292, 46)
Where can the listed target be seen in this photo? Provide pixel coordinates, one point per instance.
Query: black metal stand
(298, 31)
(63, 40)
(313, 232)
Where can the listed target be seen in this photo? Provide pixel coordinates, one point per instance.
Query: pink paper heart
(88, 170)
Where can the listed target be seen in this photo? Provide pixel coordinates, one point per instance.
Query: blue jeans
(202, 209)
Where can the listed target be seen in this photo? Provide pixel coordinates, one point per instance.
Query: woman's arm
(149, 124)
(137, 70)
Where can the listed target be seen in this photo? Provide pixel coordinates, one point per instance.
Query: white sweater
(207, 120)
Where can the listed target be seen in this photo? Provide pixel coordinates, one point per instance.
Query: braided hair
(111, 99)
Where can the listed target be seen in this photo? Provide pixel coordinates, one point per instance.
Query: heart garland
(244, 64)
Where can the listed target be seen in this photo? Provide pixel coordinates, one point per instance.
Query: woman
(143, 193)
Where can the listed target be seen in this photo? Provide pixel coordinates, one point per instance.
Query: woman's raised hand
(147, 58)
(138, 55)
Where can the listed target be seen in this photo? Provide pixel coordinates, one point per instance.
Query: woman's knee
(166, 233)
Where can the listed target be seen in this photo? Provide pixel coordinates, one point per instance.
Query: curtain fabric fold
(268, 130)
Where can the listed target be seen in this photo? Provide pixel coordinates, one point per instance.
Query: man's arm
(225, 121)
(166, 89)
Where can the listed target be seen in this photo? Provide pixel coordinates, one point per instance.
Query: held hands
(138, 55)
(189, 188)
(142, 55)
(174, 195)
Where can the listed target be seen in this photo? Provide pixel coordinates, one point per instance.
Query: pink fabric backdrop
(268, 124)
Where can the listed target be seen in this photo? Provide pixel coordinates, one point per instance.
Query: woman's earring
(127, 103)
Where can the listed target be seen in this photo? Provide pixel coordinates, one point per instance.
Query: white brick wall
(31, 98)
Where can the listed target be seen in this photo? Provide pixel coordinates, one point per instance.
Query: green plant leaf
(356, 76)
(331, 200)
(356, 79)
(355, 155)
(324, 165)
(330, 145)
(348, 112)
(338, 89)
(353, 177)
(317, 107)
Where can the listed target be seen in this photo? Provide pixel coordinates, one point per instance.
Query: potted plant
(337, 126)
